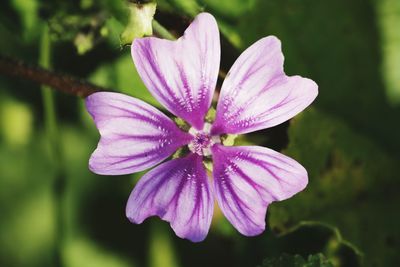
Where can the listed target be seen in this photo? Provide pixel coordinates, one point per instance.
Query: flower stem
(161, 31)
(55, 148)
(161, 248)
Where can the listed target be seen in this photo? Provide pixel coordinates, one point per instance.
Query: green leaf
(15, 133)
(347, 174)
(286, 260)
(87, 24)
(83, 252)
(228, 9)
(121, 75)
(312, 234)
(25, 196)
(318, 260)
(335, 43)
(188, 7)
(84, 42)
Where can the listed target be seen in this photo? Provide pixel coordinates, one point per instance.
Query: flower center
(203, 141)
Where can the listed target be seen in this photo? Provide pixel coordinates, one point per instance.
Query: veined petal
(182, 74)
(257, 94)
(248, 178)
(134, 135)
(177, 191)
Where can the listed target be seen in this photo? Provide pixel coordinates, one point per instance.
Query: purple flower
(182, 75)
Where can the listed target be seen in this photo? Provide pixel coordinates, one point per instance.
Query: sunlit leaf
(11, 112)
(26, 204)
(81, 252)
(122, 76)
(388, 12)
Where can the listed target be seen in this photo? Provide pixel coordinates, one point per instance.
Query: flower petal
(257, 94)
(177, 191)
(134, 135)
(248, 178)
(182, 74)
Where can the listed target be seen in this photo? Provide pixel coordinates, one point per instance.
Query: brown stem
(61, 82)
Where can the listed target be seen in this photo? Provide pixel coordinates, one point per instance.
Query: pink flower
(182, 76)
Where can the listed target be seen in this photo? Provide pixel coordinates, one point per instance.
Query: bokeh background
(55, 212)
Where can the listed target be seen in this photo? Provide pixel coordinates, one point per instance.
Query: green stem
(47, 94)
(55, 148)
(161, 250)
(161, 31)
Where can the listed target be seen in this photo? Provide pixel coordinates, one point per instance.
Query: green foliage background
(348, 140)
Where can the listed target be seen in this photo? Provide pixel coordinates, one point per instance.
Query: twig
(58, 81)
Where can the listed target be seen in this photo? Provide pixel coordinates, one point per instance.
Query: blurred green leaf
(188, 7)
(84, 42)
(335, 43)
(26, 207)
(388, 12)
(227, 9)
(15, 133)
(81, 252)
(86, 24)
(344, 168)
(84, 28)
(122, 76)
(92, 203)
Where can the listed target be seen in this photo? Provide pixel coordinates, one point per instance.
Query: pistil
(203, 140)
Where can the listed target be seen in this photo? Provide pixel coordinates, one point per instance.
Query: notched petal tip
(272, 40)
(258, 94)
(309, 86)
(206, 17)
(182, 74)
(178, 192)
(313, 89)
(252, 231)
(134, 135)
(247, 179)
